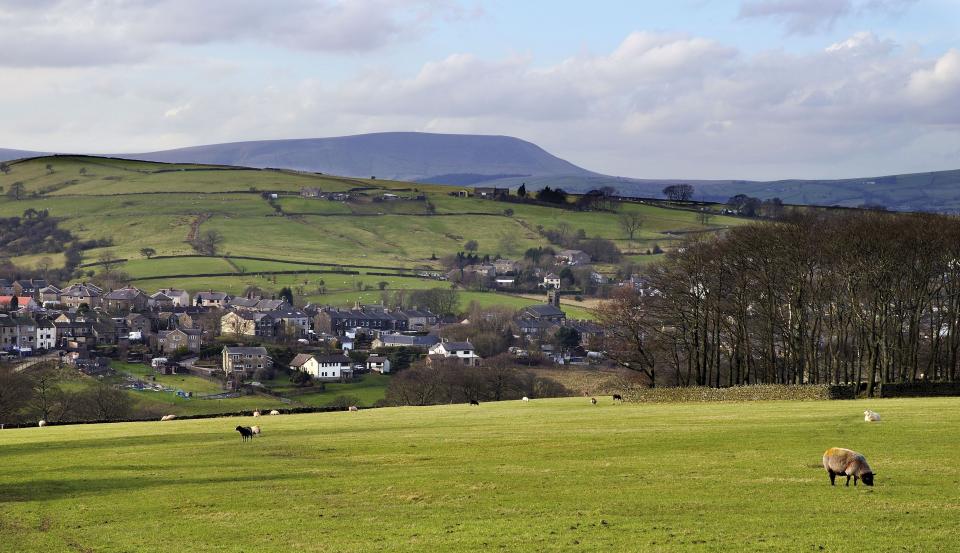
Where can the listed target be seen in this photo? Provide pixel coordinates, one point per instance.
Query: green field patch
(371, 388)
(548, 475)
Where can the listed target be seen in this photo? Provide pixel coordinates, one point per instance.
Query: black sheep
(246, 433)
(617, 397)
(474, 402)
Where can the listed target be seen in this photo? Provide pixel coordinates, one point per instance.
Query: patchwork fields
(148, 205)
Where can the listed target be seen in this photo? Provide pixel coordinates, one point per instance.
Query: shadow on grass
(91, 444)
(48, 490)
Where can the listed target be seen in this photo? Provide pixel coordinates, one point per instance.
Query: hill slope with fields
(160, 206)
(471, 160)
(548, 475)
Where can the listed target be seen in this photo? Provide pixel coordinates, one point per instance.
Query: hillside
(160, 206)
(548, 475)
(396, 155)
(471, 160)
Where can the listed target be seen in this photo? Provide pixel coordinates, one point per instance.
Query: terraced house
(126, 299)
(79, 294)
(170, 341)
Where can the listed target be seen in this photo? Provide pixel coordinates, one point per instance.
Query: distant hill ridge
(488, 160)
(396, 155)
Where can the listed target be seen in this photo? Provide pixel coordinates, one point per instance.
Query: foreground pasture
(548, 475)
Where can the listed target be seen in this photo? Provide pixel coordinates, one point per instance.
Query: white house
(46, 334)
(180, 297)
(329, 368)
(551, 280)
(462, 351)
(378, 364)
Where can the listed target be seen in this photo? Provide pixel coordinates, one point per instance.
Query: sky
(744, 89)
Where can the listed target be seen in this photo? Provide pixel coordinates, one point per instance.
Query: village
(239, 340)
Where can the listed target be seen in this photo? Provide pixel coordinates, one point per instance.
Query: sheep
(274, 412)
(838, 460)
(255, 430)
(871, 416)
(353, 408)
(617, 397)
(256, 413)
(167, 417)
(246, 433)
(42, 423)
(474, 402)
(525, 398)
(593, 400)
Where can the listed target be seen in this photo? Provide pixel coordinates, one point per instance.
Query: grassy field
(549, 475)
(371, 388)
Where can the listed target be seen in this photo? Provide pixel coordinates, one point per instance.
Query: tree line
(40, 393)
(858, 297)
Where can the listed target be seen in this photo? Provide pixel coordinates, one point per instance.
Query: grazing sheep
(255, 430)
(246, 433)
(353, 408)
(525, 398)
(593, 400)
(474, 402)
(871, 416)
(617, 397)
(838, 460)
(168, 417)
(256, 413)
(42, 423)
(274, 412)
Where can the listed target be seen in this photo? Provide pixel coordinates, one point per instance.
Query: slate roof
(300, 359)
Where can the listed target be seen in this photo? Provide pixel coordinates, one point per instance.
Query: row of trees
(453, 382)
(38, 393)
(815, 298)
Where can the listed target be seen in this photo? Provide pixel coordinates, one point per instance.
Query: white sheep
(871, 416)
(353, 408)
(525, 398)
(168, 417)
(255, 430)
(42, 423)
(274, 412)
(256, 413)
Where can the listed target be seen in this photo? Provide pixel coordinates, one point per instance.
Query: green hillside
(150, 205)
(549, 475)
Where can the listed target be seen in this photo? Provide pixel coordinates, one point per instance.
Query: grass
(371, 388)
(551, 475)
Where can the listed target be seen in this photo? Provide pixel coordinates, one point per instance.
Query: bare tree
(630, 222)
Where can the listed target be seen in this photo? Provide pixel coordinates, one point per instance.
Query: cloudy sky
(753, 89)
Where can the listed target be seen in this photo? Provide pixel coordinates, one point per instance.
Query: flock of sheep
(837, 461)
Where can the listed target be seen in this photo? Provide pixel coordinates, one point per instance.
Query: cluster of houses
(36, 316)
(503, 273)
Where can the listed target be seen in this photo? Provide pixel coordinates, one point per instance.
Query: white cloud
(62, 33)
(657, 105)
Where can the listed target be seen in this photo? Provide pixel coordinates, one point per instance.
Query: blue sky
(754, 89)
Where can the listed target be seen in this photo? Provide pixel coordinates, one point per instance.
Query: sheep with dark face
(246, 433)
(846, 462)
